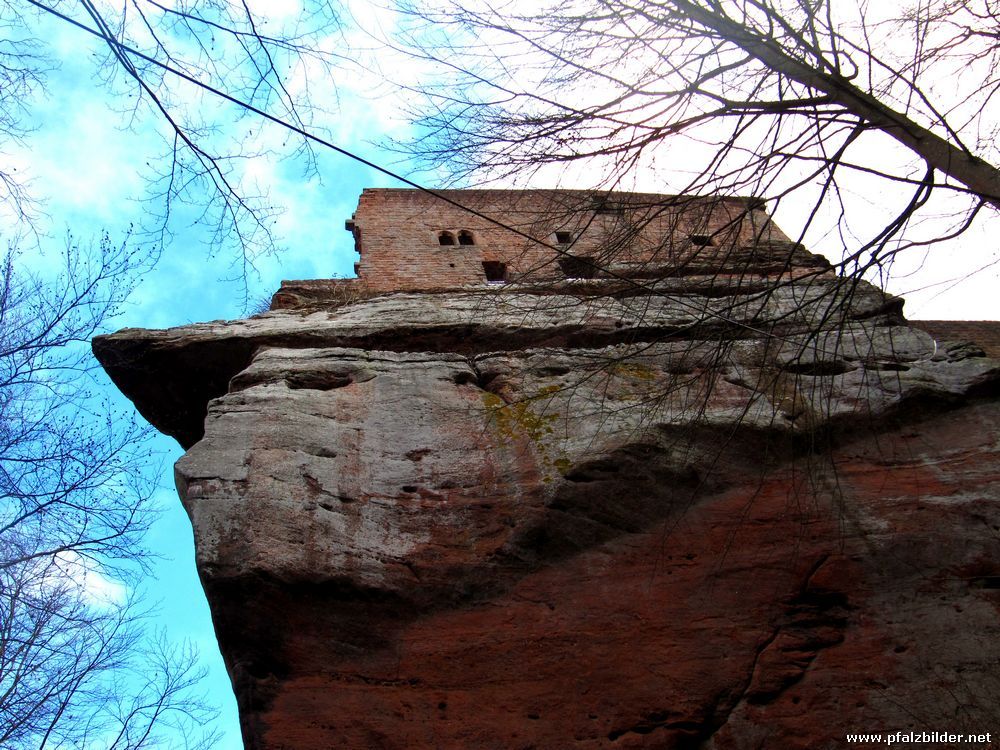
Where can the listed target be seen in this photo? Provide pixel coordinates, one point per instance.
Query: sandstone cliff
(705, 516)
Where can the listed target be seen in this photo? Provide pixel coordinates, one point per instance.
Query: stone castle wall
(540, 239)
(398, 234)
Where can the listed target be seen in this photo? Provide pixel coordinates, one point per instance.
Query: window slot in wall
(465, 238)
(495, 271)
(446, 238)
(701, 240)
(564, 238)
(577, 267)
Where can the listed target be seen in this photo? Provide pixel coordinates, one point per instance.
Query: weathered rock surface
(172, 374)
(675, 520)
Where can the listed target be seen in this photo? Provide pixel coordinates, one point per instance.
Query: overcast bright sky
(88, 168)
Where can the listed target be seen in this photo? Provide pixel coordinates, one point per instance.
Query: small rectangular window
(564, 238)
(577, 267)
(495, 271)
(701, 240)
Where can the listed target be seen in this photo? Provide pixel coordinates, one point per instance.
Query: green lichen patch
(634, 371)
(523, 419)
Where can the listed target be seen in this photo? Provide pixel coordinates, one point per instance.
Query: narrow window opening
(564, 238)
(465, 238)
(446, 238)
(495, 271)
(701, 240)
(577, 267)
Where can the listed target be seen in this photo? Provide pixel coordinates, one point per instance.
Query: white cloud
(89, 581)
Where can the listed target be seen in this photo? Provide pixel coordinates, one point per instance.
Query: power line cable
(119, 47)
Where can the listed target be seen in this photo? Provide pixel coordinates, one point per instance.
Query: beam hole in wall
(602, 205)
(465, 237)
(496, 272)
(446, 238)
(564, 238)
(577, 267)
(701, 240)
(985, 582)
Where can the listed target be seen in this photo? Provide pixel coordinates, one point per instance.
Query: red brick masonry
(985, 333)
(552, 234)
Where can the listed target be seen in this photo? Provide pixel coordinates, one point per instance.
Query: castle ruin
(575, 470)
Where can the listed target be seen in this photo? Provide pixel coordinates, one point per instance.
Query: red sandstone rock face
(563, 520)
(767, 614)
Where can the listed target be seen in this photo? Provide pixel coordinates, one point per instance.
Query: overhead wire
(118, 48)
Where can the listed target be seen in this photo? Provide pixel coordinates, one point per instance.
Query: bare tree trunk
(976, 174)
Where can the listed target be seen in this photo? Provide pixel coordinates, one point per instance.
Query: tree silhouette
(812, 101)
(76, 666)
(148, 57)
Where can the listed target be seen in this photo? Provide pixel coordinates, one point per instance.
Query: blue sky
(88, 163)
(89, 170)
